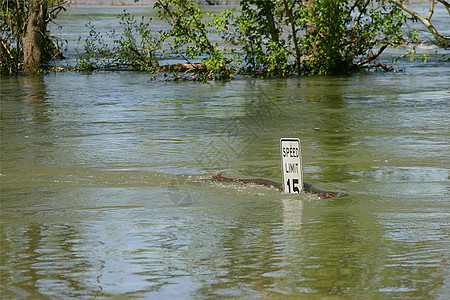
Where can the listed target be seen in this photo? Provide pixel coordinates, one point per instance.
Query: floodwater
(104, 190)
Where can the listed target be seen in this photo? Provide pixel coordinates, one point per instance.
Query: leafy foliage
(134, 48)
(255, 30)
(345, 33)
(336, 36)
(262, 38)
(189, 36)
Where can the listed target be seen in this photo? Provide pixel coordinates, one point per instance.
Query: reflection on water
(104, 189)
(95, 188)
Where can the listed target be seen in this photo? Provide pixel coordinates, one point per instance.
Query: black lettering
(295, 185)
(290, 152)
(291, 168)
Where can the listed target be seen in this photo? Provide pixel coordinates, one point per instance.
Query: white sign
(291, 165)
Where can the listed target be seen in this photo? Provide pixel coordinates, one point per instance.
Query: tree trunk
(33, 42)
(294, 35)
(271, 22)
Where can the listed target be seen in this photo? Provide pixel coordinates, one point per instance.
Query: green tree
(319, 36)
(342, 36)
(25, 42)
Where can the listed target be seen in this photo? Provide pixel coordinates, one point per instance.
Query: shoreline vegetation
(273, 38)
(152, 2)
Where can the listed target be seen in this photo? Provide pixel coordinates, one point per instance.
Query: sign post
(291, 165)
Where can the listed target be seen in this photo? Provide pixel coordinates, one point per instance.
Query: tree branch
(446, 4)
(373, 57)
(401, 56)
(431, 10)
(6, 48)
(441, 40)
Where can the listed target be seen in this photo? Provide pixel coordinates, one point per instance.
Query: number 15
(294, 187)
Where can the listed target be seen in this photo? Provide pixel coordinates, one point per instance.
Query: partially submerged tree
(441, 40)
(320, 36)
(25, 42)
(265, 38)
